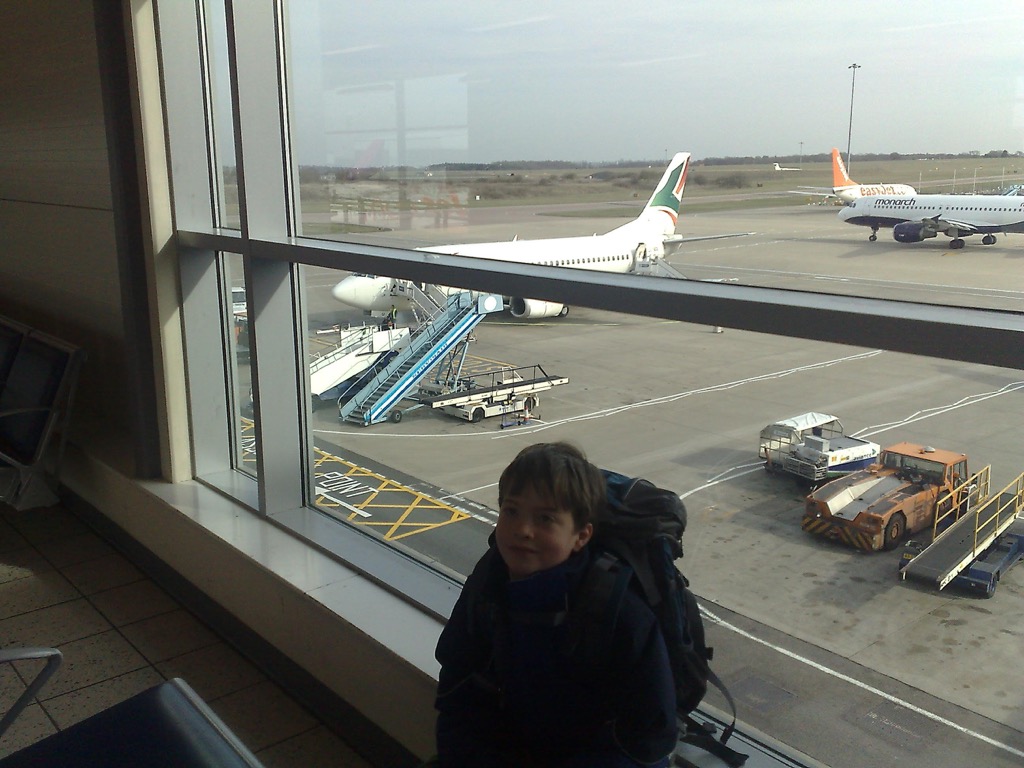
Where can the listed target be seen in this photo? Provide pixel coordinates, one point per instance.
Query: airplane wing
(822, 191)
(676, 239)
(951, 227)
(661, 267)
(674, 242)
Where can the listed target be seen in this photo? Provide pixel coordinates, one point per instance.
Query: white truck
(476, 411)
(814, 448)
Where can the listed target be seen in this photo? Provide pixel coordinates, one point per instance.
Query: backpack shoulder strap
(594, 609)
(703, 736)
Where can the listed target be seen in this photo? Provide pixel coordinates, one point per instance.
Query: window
(357, 137)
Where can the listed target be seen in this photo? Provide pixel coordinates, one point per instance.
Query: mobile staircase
(960, 551)
(356, 350)
(382, 388)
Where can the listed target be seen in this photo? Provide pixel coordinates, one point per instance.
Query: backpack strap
(596, 603)
(703, 736)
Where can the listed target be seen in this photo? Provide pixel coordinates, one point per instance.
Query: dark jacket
(512, 693)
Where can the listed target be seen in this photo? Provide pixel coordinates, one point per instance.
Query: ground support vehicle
(814, 448)
(504, 392)
(976, 549)
(912, 488)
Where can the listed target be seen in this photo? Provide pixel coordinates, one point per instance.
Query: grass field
(709, 187)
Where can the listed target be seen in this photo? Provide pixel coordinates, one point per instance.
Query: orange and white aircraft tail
(839, 176)
(846, 190)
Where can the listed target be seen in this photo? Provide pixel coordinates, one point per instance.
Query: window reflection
(240, 392)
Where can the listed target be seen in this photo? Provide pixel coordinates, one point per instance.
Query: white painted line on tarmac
(690, 393)
(864, 686)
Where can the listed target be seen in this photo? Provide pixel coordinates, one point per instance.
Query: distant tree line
(310, 174)
(826, 157)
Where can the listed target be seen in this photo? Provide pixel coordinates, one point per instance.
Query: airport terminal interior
(230, 515)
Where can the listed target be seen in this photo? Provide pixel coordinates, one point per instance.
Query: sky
(444, 81)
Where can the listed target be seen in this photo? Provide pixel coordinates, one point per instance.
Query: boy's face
(533, 534)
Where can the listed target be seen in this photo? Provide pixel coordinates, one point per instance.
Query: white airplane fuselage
(616, 251)
(620, 250)
(918, 217)
(857, 191)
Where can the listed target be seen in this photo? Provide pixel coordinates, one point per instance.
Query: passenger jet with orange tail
(638, 246)
(847, 190)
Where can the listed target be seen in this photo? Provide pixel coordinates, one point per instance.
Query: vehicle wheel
(956, 244)
(478, 415)
(872, 237)
(564, 312)
(988, 240)
(894, 531)
(396, 416)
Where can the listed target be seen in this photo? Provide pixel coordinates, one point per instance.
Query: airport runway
(824, 647)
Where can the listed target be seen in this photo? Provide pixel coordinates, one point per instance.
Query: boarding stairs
(657, 268)
(379, 396)
(356, 350)
(966, 539)
(424, 299)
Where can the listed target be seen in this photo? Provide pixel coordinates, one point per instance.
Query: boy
(511, 692)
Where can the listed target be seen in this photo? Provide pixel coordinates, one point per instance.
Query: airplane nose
(344, 291)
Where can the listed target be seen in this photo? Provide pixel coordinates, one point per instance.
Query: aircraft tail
(663, 207)
(839, 175)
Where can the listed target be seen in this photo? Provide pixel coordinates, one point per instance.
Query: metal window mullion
(280, 390)
(186, 98)
(274, 291)
(207, 350)
(262, 146)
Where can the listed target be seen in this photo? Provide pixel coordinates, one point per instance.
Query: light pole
(849, 135)
(801, 154)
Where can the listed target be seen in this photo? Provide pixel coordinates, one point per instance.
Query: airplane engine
(535, 309)
(911, 232)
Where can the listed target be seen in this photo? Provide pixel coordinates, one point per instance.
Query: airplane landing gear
(956, 244)
(988, 240)
(874, 234)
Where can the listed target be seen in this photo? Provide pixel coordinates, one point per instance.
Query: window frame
(273, 257)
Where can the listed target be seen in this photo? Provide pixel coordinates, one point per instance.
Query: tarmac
(825, 648)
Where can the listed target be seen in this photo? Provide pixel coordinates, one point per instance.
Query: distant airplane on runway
(847, 190)
(630, 248)
(780, 168)
(919, 217)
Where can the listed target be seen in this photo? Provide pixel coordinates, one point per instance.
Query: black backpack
(635, 547)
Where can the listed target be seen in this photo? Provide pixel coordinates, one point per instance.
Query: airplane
(632, 247)
(780, 168)
(919, 217)
(847, 190)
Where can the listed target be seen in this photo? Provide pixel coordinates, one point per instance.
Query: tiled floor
(62, 586)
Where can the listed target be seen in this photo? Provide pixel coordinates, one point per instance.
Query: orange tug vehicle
(909, 488)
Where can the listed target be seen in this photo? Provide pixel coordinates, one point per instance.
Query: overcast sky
(607, 80)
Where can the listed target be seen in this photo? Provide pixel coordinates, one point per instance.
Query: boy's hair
(561, 471)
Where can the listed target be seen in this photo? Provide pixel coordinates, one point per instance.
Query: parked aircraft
(780, 168)
(632, 247)
(847, 190)
(919, 217)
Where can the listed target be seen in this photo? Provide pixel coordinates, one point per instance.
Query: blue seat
(167, 726)
(38, 374)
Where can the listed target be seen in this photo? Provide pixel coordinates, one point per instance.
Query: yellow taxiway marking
(366, 498)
